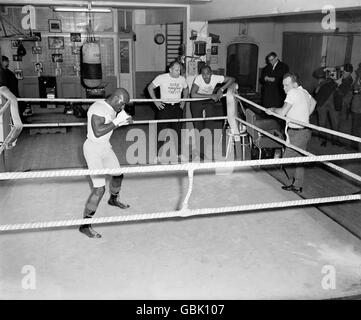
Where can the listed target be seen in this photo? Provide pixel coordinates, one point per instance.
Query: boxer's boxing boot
(87, 228)
(114, 201)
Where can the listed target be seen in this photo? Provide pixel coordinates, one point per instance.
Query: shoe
(288, 188)
(292, 188)
(89, 231)
(297, 189)
(116, 203)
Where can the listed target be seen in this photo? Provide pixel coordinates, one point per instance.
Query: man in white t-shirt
(203, 87)
(172, 87)
(103, 118)
(298, 105)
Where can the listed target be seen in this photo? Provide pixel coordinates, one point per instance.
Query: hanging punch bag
(91, 64)
(21, 50)
(91, 68)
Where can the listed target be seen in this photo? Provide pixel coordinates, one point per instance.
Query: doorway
(126, 74)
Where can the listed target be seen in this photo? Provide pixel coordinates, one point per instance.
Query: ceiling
(209, 9)
(161, 1)
(341, 15)
(120, 2)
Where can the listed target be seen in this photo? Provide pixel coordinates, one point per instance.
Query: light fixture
(82, 9)
(77, 9)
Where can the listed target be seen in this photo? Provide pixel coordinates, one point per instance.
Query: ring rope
(180, 213)
(95, 100)
(175, 167)
(35, 125)
(308, 125)
(306, 153)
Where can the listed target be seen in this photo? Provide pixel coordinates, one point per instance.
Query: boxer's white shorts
(99, 156)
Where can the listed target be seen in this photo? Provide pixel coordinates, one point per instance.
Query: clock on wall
(159, 38)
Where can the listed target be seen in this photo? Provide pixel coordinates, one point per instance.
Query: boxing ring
(193, 176)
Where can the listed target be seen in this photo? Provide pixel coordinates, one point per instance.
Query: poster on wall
(15, 43)
(57, 57)
(56, 42)
(214, 50)
(75, 50)
(17, 57)
(36, 50)
(19, 74)
(54, 25)
(38, 67)
(37, 34)
(75, 37)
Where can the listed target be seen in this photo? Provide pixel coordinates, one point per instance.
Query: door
(242, 64)
(303, 54)
(126, 65)
(336, 50)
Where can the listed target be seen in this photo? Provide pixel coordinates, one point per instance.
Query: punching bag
(21, 50)
(91, 64)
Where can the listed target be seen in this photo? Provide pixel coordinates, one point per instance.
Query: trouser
(345, 112)
(212, 110)
(300, 139)
(325, 111)
(99, 156)
(170, 111)
(356, 127)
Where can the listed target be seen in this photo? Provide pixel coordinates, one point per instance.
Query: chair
(243, 134)
(257, 139)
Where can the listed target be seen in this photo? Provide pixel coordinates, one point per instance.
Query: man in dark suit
(10, 80)
(324, 96)
(272, 74)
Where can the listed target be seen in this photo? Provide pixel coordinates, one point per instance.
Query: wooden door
(303, 54)
(336, 50)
